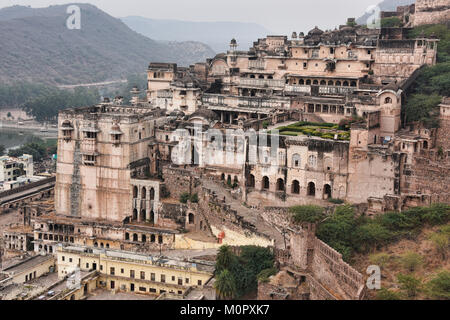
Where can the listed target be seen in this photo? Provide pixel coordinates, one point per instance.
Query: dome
(315, 32)
(115, 129)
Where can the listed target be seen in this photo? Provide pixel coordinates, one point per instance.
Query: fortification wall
(431, 12)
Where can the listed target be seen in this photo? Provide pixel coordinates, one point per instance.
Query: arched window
(308, 82)
(295, 187)
(144, 193)
(345, 84)
(330, 83)
(312, 160)
(338, 83)
(311, 189)
(388, 100)
(160, 239)
(135, 237)
(135, 214)
(135, 192)
(327, 192)
(127, 236)
(316, 82)
(143, 215)
(261, 76)
(353, 84)
(144, 238)
(191, 218)
(280, 185)
(266, 183)
(152, 238)
(301, 82)
(296, 160)
(152, 217)
(152, 194)
(323, 83)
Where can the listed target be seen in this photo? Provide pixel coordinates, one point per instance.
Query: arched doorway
(311, 189)
(266, 183)
(295, 187)
(152, 217)
(143, 215)
(280, 185)
(251, 181)
(191, 218)
(327, 191)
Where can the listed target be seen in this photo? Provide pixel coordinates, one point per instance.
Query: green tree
(420, 107)
(441, 243)
(225, 258)
(225, 285)
(307, 213)
(411, 261)
(391, 22)
(439, 286)
(386, 294)
(410, 284)
(184, 197)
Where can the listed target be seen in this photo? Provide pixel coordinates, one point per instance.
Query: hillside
(386, 5)
(37, 46)
(215, 34)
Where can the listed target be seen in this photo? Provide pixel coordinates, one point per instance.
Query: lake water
(12, 138)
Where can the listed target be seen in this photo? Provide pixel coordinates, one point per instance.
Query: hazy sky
(279, 16)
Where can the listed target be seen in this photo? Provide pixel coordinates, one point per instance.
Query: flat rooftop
(27, 264)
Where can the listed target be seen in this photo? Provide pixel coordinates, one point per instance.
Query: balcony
(89, 147)
(298, 88)
(256, 64)
(261, 83)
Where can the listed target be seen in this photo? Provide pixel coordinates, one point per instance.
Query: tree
(225, 285)
(439, 286)
(411, 261)
(386, 294)
(184, 197)
(307, 213)
(409, 283)
(225, 258)
(441, 243)
(9, 115)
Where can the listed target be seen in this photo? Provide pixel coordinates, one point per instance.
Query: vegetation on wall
(433, 82)
(391, 22)
(349, 234)
(322, 130)
(237, 275)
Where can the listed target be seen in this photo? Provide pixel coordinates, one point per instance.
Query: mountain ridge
(103, 49)
(215, 34)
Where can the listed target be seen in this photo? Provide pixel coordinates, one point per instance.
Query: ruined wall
(431, 12)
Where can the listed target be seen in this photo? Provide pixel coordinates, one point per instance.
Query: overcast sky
(279, 16)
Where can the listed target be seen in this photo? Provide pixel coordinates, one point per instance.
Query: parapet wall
(431, 12)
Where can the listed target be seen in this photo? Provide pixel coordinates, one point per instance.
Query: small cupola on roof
(315, 32)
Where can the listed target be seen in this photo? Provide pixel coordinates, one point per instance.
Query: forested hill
(37, 46)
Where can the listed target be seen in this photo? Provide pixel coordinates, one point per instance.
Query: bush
(194, 198)
(439, 286)
(380, 259)
(441, 242)
(411, 261)
(386, 294)
(409, 284)
(437, 214)
(184, 197)
(336, 201)
(308, 213)
(264, 275)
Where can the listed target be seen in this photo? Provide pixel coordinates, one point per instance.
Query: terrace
(321, 130)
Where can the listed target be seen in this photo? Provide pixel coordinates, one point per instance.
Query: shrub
(386, 294)
(411, 261)
(194, 198)
(308, 213)
(409, 283)
(437, 214)
(264, 275)
(440, 241)
(336, 201)
(439, 286)
(380, 259)
(184, 197)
